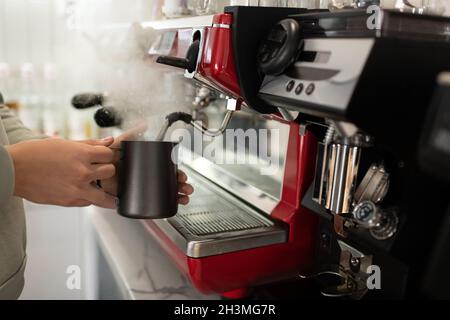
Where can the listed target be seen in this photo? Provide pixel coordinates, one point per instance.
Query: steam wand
(187, 118)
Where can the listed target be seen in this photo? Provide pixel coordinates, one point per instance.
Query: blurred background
(53, 49)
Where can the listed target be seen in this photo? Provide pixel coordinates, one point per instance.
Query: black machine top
(373, 23)
(377, 70)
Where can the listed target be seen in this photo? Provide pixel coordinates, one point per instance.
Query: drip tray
(215, 222)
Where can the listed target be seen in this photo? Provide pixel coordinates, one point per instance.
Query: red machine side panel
(217, 63)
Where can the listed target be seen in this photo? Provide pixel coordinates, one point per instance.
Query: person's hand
(62, 172)
(110, 184)
(184, 188)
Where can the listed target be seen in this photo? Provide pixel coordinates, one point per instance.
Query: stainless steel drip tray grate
(215, 222)
(218, 221)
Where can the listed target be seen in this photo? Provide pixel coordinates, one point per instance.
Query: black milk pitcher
(147, 179)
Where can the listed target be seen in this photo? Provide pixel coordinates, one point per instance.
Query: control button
(310, 89)
(290, 86)
(299, 88)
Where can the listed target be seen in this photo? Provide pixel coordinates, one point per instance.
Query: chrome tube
(214, 132)
(343, 169)
(162, 132)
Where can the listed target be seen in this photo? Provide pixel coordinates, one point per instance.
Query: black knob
(107, 117)
(189, 63)
(281, 47)
(87, 100)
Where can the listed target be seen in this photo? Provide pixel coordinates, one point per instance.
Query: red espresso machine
(232, 236)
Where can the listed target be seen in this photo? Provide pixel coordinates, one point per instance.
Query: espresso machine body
(233, 236)
(354, 201)
(369, 91)
(241, 228)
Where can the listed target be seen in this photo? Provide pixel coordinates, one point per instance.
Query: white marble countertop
(140, 267)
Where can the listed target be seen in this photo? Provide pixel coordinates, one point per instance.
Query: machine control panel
(323, 76)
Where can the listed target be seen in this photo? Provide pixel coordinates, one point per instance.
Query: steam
(137, 87)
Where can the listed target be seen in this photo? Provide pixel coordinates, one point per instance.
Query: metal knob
(107, 117)
(87, 100)
(381, 223)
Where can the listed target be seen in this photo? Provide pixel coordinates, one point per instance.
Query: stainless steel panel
(342, 169)
(235, 179)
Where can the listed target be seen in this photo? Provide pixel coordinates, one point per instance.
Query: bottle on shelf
(30, 104)
(52, 108)
(8, 88)
(4, 79)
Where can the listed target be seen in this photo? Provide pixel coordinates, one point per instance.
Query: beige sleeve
(6, 175)
(15, 130)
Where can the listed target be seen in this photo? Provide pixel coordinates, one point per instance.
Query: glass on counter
(308, 4)
(204, 7)
(349, 4)
(175, 8)
(431, 7)
(255, 3)
(434, 7)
